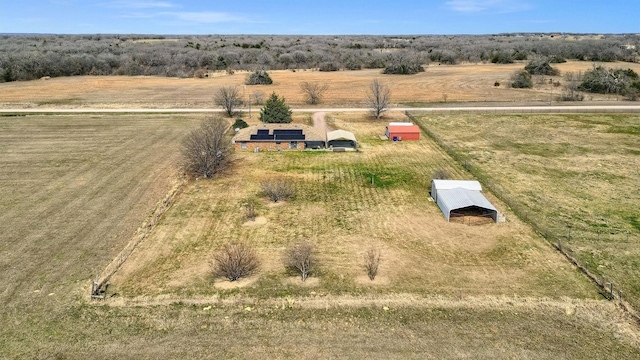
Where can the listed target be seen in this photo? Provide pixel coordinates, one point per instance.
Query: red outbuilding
(403, 132)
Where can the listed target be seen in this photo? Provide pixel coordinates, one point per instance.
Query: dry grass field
(338, 210)
(578, 171)
(74, 189)
(96, 178)
(460, 83)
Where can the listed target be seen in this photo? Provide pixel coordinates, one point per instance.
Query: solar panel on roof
(295, 134)
(287, 131)
(263, 134)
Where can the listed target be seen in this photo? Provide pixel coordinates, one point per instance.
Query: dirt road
(498, 109)
(320, 123)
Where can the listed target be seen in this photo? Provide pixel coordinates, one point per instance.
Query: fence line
(100, 284)
(546, 109)
(556, 237)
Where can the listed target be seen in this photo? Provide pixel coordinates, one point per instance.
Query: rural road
(516, 109)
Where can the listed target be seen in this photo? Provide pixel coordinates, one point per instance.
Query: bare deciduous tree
(371, 262)
(277, 189)
(313, 91)
(206, 150)
(300, 259)
(571, 92)
(229, 98)
(378, 98)
(257, 97)
(236, 260)
(250, 210)
(71, 55)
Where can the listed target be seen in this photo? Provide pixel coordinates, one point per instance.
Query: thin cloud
(499, 6)
(137, 15)
(205, 17)
(141, 4)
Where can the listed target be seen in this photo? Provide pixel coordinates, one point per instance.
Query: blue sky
(318, 17)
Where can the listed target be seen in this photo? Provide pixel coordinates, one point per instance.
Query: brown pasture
(458, 83)
(578, 171)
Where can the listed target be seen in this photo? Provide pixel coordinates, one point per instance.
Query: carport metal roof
(340, 135)
(453, 184)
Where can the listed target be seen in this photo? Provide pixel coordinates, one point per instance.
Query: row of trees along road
(275, 110)
(206, 150)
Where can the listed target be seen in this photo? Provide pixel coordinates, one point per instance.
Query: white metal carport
(451, 195)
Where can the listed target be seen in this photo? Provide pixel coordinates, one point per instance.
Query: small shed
(462, 198)
(403, 132)
(341, 139)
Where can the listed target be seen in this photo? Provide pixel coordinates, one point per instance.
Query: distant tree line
(26, 57)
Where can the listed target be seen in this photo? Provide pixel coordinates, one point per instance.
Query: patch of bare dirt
(225, 284)
(258, 221)
(378, 281)
(295, 280)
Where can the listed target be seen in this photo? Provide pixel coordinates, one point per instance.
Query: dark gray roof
(276, 132)
(460, 198)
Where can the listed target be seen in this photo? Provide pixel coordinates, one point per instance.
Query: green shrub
(521, 80)
(403, 69)
(540, 67)
(329, 66)
(501, 58)
(557, 59)
(240, 124)
(520, 55)
(260, 77)
(607, 81)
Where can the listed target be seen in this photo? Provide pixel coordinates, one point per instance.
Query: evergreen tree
(275, 111)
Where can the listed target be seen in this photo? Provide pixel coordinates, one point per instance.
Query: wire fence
(541, 109)
(559, 237)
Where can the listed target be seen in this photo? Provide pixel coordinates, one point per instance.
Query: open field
(460, 83)
(96, 178)
(73, 189)
(343, 215)
(578, 171)
(500, 329)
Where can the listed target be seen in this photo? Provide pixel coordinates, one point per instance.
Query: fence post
(611, 289)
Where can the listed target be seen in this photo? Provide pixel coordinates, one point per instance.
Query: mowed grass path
(337, 209)
(578, 171)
